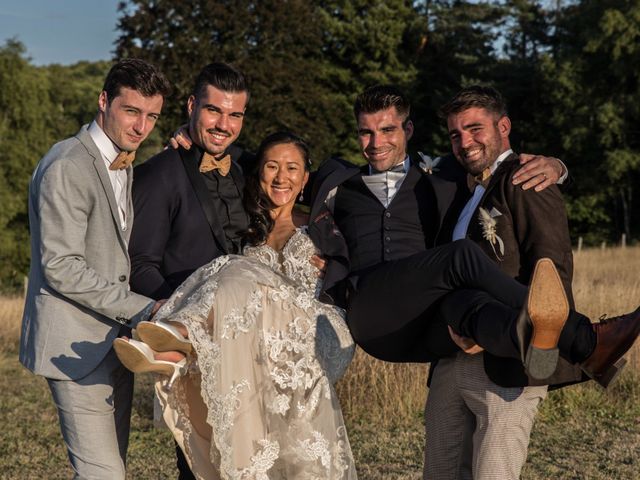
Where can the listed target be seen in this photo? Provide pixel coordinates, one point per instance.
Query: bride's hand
(466, 344)
(156, 307)
(320, 263)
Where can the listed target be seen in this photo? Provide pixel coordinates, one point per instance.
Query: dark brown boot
(614, 337)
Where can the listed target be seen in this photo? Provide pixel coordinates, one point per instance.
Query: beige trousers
(476, 429)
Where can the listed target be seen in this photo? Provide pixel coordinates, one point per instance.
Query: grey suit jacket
(78, 297)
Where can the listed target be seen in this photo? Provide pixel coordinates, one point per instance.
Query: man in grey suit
(78, 302)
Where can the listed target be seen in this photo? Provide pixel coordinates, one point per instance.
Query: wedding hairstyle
(475, 96)
(222, 76)
(138, 75)
(381, 97)
(256, 202)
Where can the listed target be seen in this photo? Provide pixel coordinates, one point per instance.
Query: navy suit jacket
(175, 228)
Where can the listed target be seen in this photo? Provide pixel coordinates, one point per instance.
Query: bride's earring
(301, 197)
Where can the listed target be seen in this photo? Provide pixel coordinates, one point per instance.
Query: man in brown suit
(481, 408)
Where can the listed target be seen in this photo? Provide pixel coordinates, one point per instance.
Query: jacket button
(122, 278)
(387, 214)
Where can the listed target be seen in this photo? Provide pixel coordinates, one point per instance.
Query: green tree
(25, 134)
(306, 60)
(592, 85)
(276, 44)
(457, 49)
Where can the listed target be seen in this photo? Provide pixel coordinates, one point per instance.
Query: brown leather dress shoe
(614, 337)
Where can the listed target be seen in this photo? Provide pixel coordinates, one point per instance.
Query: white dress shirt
(118, 178)
(460, 231)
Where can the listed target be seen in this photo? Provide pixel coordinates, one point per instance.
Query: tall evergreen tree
(457, 49)
(592, 86)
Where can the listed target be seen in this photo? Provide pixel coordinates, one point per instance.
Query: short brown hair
(475, 96)
(138, 75)
(381, 97)
(222, 76)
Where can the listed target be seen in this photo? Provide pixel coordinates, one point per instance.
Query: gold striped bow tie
(480, 179)
(123, 160)
(209, 163)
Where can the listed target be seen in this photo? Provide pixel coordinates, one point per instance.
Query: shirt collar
(106, 147)
(501, 158)
(405, 165)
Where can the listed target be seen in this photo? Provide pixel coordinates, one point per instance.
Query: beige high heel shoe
(138, 357)
(163, 337)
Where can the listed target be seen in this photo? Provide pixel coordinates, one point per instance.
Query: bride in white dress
(257, 401)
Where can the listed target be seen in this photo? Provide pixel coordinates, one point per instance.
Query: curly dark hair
(256, 202)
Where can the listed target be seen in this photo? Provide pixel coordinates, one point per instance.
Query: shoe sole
(162, 340)
(548, 309)
(136, 361)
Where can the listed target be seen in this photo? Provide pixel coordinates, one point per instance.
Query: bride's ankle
(172, 356)
(180, 328)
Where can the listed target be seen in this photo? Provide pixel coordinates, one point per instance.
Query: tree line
(569, 70)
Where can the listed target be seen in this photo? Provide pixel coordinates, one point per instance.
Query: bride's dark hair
(256, 201)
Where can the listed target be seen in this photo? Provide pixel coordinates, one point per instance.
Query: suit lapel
(474, 231)
(496, 176)
(190, 160)
(103, 176)
(335, 178)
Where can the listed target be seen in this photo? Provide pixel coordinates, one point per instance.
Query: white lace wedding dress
(259, 401)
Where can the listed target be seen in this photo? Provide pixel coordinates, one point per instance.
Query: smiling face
(215, 118)
(128, 118)
(383, 137)
(283, 174)
(478, 137)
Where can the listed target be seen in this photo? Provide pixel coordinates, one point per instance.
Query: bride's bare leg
(172, 356)
(180, 327)
(183, 330)
(197, 408)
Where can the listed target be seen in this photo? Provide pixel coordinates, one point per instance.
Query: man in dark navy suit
(188, 202)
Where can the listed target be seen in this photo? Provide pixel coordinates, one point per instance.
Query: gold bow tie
(123, 160)
(481, 179)
(209, 163)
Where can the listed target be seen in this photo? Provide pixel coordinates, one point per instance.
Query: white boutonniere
(427, 164)
(488, 223)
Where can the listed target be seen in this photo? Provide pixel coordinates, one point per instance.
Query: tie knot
(399, 168)
(482, 178)
(123, 160)
(210, 163)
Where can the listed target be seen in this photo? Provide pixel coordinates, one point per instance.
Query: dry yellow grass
(607, 282)
(604, 282)
(10, 318)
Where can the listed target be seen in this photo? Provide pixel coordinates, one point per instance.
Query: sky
(61, 31)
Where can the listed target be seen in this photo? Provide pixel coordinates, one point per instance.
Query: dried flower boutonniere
(488, 223)
(427, 164)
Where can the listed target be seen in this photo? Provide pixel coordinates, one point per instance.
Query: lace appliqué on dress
(268, 352)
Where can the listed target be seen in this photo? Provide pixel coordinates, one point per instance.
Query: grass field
(583, 432)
